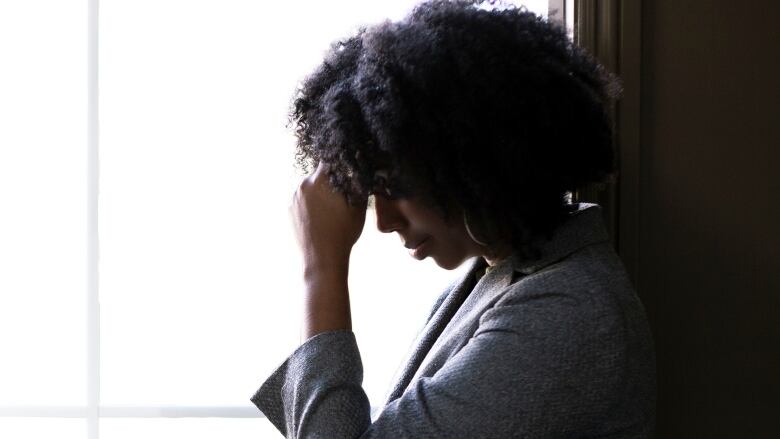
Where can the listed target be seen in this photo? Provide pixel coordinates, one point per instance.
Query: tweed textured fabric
(552, 348)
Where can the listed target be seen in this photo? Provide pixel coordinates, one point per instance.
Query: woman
(467, 127)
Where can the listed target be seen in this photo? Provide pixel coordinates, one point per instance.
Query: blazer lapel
(435, 326)
(465, 320)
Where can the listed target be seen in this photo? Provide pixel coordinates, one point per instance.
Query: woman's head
(491, 115)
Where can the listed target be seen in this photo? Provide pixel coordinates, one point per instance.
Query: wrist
(326, 301)
(325, 268)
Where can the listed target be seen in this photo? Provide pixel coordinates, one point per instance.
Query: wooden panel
(708, 259)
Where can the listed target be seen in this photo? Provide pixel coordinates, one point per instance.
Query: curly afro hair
(484, 111)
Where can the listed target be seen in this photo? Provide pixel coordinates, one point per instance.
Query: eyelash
(381, 187)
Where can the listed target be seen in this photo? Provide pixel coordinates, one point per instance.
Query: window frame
(611, 31)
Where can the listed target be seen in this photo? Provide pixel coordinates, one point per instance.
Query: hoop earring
(468, 230)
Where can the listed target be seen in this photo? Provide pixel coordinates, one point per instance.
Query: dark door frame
(611, 31)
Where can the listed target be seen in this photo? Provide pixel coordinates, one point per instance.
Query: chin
(448, 263)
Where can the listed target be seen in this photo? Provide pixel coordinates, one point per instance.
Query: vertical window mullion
(93, 304)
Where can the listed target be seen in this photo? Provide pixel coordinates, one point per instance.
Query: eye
(390, 193)
(383, 187)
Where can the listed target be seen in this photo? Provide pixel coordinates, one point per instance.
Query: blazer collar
(584, 227)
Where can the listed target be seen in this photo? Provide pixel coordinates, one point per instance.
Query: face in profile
(424, 231)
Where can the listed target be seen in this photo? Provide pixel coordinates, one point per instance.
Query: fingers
(325, 222)
(321, 173)
(317, 179)
(320, 181)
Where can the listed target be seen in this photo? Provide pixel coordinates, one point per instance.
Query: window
(190, 302)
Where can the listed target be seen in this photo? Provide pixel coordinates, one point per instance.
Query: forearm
(326, 227)
(326, 299)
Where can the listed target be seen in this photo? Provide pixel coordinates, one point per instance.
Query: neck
(494, 257)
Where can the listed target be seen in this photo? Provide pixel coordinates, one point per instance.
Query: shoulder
(591, 274)
(582, 295)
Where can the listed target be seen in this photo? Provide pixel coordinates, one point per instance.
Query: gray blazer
(553, 348)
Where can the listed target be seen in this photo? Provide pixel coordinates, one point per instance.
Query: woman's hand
(326, 227)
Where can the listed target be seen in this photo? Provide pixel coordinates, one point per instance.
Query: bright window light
(42, 203)
(198, 274)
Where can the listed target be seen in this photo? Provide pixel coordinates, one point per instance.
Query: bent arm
(537, 375)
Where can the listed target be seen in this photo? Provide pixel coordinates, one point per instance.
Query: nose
(388, 217)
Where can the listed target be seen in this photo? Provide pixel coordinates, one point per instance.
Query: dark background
(700, 209)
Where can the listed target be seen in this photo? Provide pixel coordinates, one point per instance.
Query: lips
(412, 246)
(420, 249)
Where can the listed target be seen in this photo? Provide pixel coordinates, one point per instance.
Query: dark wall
(708, 264)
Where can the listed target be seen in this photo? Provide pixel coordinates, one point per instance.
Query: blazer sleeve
(537, 366)
(316, 392)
